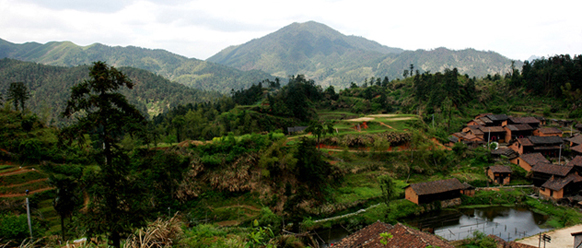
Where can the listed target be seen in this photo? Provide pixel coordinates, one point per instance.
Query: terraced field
(15, 180)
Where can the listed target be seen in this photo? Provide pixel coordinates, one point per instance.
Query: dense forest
(211, 170)
(50, 88)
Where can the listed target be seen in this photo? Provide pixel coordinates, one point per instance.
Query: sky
(200, 29)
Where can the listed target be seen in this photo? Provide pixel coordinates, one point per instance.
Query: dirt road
(561, 238)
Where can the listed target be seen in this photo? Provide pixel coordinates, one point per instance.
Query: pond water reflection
(507, 223)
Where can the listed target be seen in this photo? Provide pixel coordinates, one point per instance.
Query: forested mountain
(331, 58)
(194, 73)
(50, 87)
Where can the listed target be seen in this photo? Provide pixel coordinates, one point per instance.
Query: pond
(507, 223)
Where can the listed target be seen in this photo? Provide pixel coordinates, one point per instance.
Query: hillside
(329, 57)
(50, 87)
(190, 72)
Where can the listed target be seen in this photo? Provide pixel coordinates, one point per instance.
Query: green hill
(331, 58)
(50, 87)
(190, 72)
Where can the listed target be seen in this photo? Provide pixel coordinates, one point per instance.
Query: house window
(518, 161)
(551, 192)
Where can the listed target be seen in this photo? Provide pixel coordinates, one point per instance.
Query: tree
(102, 111)
(18, 93)
(320, 130)
(388, 189)
(405, 73)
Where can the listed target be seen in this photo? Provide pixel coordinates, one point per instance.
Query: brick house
(547, 131)
(474, 130)
(531, 121)
(493, 133)
(542, 172)
(500, 174)
(527, 161)
(402, 236)
(522, 146)
(547, 145)
(422, 193)
(516, 131)
(557, 188)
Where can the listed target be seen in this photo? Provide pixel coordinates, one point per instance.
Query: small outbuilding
(500, 174)
(422, 193)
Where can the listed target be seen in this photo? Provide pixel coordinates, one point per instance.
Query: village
(552, 159)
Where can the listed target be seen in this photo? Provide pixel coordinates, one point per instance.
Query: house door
(500, 180)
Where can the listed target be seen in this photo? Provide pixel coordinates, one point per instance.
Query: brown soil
(19, 171)
(386, 125)
(29, 182)
(23, 194)
(361, 119)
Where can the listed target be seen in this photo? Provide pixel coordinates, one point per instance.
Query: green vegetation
(230, 173)
(193, 73)
(313, 49)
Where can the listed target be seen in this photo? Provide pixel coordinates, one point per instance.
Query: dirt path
(24, 194)
(253, 208)
(384, 124)
(29, 182)
(561, 238)
(19, 171)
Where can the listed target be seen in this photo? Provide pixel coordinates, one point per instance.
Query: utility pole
(488, 138)
(560, 156)
(28, 214)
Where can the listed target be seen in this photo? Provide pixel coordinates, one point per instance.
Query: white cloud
(516, 29)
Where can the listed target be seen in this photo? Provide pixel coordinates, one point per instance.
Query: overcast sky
(199, 29)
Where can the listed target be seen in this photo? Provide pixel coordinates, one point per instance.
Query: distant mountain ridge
(329, 57)
(190, 72)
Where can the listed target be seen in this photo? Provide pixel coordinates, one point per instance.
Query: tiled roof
(366, 237)
(500, 169)
(545, 148)
(525, 142)
(577, 148)
(576, 139)
(559, 183)
(494, 129)
(524, 120)
(500, 117)
(402, 236)
(459, 134)
(552, 169)
(453, 139)
(482, 115)
(549, 130)
(484, 120)
(577, 161)
(436, 187)
(468, 186)
(534, 158)
(519, 127)
(475, 130)
(508, 152)
(545, 140)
